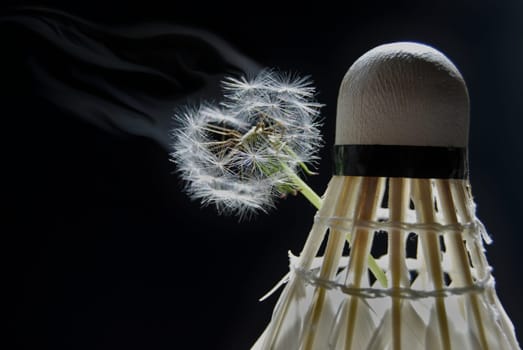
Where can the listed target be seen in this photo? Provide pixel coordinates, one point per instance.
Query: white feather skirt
(439, 292)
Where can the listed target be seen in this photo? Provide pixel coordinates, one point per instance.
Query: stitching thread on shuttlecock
(474, 229)
(341, 223)
(308, 276)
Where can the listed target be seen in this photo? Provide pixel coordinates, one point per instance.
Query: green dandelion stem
(373, 267)
(377, 271)
(304, 189)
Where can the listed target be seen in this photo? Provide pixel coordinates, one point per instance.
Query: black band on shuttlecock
(401, 161)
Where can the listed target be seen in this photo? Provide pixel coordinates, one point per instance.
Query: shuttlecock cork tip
(403, 93)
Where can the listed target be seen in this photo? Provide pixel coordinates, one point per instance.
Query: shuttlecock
(400, 185)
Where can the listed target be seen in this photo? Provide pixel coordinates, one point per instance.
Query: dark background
(103, 249)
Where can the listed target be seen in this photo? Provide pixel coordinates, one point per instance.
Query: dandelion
(243, 154)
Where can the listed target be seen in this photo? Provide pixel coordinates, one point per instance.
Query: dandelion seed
(243, 154)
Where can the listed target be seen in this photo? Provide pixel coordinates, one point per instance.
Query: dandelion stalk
(302, 187)
(377, 271)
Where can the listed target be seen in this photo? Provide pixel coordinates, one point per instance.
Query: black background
(105, 252)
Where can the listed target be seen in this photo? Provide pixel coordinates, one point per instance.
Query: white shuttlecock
(400, 185)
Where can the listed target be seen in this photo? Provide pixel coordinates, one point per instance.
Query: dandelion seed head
(232, 155)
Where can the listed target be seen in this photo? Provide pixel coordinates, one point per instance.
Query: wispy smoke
(122, 79)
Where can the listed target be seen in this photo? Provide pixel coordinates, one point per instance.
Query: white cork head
(403, 94)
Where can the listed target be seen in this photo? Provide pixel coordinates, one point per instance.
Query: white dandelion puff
(243, 154)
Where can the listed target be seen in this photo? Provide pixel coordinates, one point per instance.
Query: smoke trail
(126, 79)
